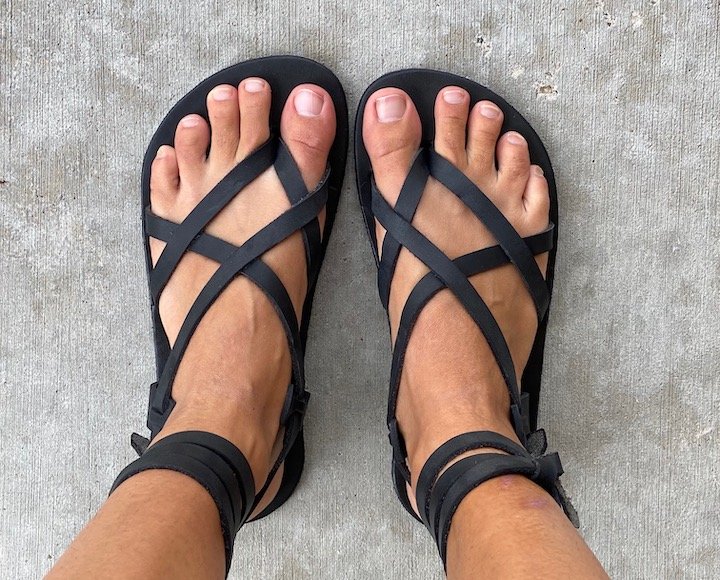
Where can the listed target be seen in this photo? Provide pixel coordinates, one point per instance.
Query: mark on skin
(538, 503)
(535, 501)
(506, 481)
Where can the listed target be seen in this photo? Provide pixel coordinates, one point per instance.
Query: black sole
(422, 86)
(283, 73)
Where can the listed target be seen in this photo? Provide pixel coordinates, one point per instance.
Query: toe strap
(440, 489)
(216, 464)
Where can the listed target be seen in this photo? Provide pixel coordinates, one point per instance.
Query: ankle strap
(439, 492)
(216, 464)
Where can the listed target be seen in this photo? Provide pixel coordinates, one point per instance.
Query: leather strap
(234, 261)
(216, 464)
(205, 211)
(440, 488)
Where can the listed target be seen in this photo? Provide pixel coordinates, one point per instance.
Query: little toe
(536, 199)
(222, 104)
(164, 184)
(255, 98)
(192, 138)
(164, 178)
(451, 118)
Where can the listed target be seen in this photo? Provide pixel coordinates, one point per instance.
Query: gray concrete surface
(625, 95)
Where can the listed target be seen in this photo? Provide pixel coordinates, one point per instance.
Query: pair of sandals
(216, 463)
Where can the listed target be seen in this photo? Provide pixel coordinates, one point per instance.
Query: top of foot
(450, 383)
(239, 352)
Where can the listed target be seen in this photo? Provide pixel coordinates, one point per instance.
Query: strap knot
(548, 469)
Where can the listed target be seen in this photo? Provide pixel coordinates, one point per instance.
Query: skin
(233, 377)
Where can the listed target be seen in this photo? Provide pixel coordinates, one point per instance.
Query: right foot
(450, 383)
(235, 373)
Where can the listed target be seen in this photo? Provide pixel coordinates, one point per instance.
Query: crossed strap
(454, 275)
(440, 488)
(216, 464)
(244, 260)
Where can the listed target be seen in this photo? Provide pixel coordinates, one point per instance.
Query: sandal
(440, 489)
(210, 459)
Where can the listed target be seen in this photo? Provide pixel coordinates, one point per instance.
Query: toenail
(162, 152)
(453, 97)
(489, 111)
(308, 103)
(254, 85)
(190, 121)
(222, 94)
(537, 170)
(390, 108)
(515, 138)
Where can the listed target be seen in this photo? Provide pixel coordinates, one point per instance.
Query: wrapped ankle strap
(216, 464)
(439, 492)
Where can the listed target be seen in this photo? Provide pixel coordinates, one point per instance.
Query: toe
(164, 183)
(451, 117)
(255, 98)
(192, 138)
(222, 104)
(513, 163)
(391, 133)
(308, 128)
(536, 198)
(164, 180)
(483, 131)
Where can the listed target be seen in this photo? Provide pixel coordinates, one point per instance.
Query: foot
(234, 375)
(450, 382)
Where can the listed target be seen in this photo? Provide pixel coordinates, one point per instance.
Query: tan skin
(450, 382)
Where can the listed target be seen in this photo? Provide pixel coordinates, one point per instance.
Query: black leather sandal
(440, 492)
(211, 460)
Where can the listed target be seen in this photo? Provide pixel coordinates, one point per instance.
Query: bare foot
(450, 383)
(234, 375)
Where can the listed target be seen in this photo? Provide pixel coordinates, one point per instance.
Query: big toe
(308, 128)
(391, 133)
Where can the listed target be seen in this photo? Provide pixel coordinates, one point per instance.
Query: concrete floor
(625, 95)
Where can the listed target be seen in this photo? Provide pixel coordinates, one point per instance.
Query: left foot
(450, 383)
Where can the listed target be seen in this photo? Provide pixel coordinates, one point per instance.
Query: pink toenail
(222, 94)
(390, 108)
(254, 85)
(453, 97)
(515, 138)
(308, 103)
(489, 111)
(537, 170)
(190, 121)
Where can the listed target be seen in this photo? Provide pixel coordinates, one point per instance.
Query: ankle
(254, 437)
(426, 427)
